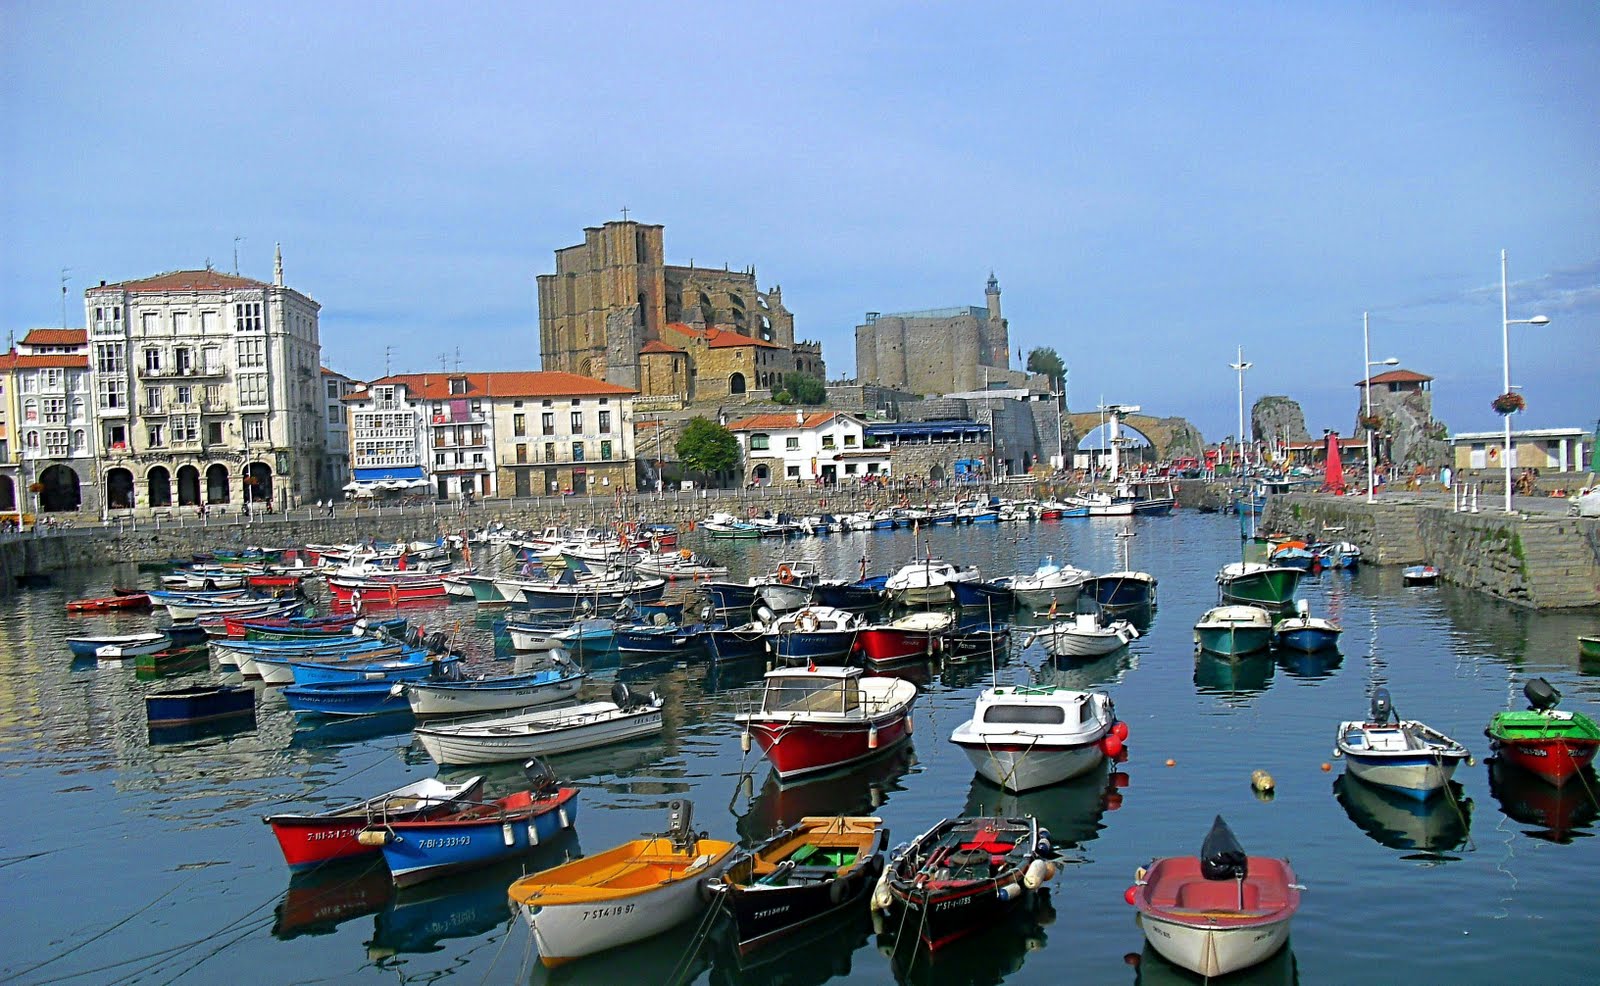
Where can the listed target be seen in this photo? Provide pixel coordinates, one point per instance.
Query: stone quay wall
(1541, 561)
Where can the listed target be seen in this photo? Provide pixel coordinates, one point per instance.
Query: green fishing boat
(1257, 584)
(1545, 740)
(1232, 631)
(1589, 648)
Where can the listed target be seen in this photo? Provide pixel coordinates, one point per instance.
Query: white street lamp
(1240, 367)
(1366, 351)
(1506, 322)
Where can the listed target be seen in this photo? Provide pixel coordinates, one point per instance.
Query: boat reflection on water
(677, 955)
(727, 676)
(618, 760)
(1431, 829)
(201, 734)
(1318, 664)
(1071, 810)
(320, 733)
(808, 957)
(416, 919)
(171, 663)
(860, 789)
(1557, 814)
(1238, 676)
(993, 955)
(320, 900)
(1085, 675)
(1153, 969)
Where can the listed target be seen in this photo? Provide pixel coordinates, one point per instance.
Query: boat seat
(991, 848)
(1218, 895)
(814, 874)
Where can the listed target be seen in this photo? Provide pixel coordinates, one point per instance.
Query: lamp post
(1366, 354)
(1240, 367)
(1506, 322)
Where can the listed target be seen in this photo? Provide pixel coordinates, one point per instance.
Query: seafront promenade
(1537, 557)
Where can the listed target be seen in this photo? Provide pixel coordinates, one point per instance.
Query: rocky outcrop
(1276, 418)
(1183, 438)
(1408, 436)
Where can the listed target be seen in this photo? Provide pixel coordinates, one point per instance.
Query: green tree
(802, 389)
(707, 448)
(1044, 359)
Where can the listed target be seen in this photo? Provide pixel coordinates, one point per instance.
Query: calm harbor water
(123, 861)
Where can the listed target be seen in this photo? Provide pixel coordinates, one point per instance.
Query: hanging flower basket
(1371, 422)
(1509, 402)
(35, 487)
(252, 481)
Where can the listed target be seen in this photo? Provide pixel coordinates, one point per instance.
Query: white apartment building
(206, 389)
(336, 433)
(52, 434)
(806, 447)
(509, 433)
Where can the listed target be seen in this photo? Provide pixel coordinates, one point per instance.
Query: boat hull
(1068, 643)
(1307, 640)
(1273, 588)
(1555, 760)
(1417, 777)
(733, 645)
(798, 749)
(449, 748)
(763, 915)
(353, 698)
(311, 840)
(797, 647)
(465, 698)
(190, 705)
(427, 850)
(894, 645)
(1233, 641)
(1114, 592)
(1018, 768)
(1214, 951)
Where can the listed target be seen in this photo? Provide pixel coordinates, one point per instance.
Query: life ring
(786, 575)
(807, 622)
(355, 600)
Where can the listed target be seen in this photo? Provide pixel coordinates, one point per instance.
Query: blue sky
(1153, 183)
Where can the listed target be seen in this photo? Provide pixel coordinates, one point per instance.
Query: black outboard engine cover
(621, 696)
(680, 823)
(1221, 856)
(540, 777)
(1541, 694)
(1382, 706)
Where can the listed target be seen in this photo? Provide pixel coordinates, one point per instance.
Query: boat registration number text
(444, 842)
(596, 913)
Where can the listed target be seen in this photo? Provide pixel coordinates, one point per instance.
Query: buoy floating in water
(1261, 781)
(1327, 767)
(1171, 762)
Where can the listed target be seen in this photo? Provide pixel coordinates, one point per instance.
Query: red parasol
(1333, 475)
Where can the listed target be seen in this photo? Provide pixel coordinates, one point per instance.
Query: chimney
(800, 418)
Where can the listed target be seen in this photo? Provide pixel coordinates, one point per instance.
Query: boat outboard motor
(541, 779)
(763, 613)
(436, 641)
(1382, 706)
(680, 824)
(414, 636)
(621, 696)
(1541, 694)
(1221, 856)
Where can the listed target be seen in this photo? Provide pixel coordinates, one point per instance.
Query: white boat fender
(397, 689)
(510, 836)
(744, 741)
(1010, 891)
(1038, 873)
(881, 897)
(872, 737)
(373, 837)
(908, 722)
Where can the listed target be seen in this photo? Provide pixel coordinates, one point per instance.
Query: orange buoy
(1327, 767)
(1171, 762)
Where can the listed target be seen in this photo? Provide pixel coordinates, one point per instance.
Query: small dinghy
(490, 739)
(1085, 635)
(200, 703)
(1304, 632)
(1028, 737)
(308, 840)
(345, 698)
(912, 637)
(809, 871)
(1218, 912)
(626, 894)
(963, 875)
(474, 835)
(112, 646)
(1233, 631)
(1400, 754)
(1420, 575)
(131, 600)
(1550, 742)
(556, 681)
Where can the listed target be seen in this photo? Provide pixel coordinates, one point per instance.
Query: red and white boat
(131, 600)
(307, 840)
(817, 718)
(915, 636)
(385, 589)
(1218, 912)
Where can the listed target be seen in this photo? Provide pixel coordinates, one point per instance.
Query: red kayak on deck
(132, 600)
(307, 840)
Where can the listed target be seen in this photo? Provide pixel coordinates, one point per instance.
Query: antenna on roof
(388, 356)
(236, 240)
(458, 359)
(444, 362)
(64, 279)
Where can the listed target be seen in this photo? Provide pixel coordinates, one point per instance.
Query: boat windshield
(1040, 715)
(791, 693)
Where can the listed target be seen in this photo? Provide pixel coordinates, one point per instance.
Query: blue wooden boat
(198, 703)
(854, 596)
(814, 635)
(415, 666)
(114, 645)
(475, 836)
(730, 596)
(725, 643)
(185, 633)
(651, 638)
(1304, 632)
(982, 595)
(346, 698)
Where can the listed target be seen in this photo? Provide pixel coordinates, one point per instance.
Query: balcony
(215, 407)
(375, 461)
(153, 411)
(383, 434)
(167, 372)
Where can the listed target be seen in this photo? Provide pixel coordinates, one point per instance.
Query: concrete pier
(1541, 560)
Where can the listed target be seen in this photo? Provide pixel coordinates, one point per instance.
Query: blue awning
(390, 472)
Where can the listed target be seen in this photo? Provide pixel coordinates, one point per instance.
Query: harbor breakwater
(159, 538)
(1541, 561)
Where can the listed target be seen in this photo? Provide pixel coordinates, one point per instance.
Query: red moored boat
(238, 627)
(1550, 742)
(132, 600)
(390, 589)
(307, 840)
(273, 581)
(912, 637)
(816, 718)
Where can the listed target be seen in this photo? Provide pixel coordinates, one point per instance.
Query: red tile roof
(56, 337)
(65, 361)
(657, 346)
(186, 280)
(719, 338)
(1397, 376)
(782, 421)
(505, 383)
